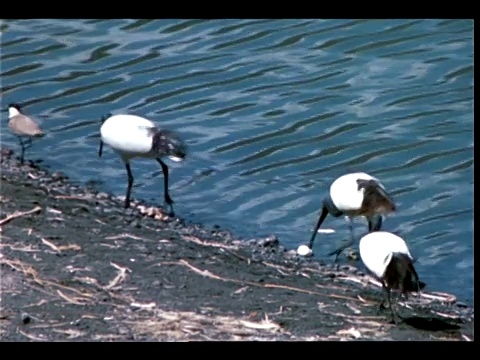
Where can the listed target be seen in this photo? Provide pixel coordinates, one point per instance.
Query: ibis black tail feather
(401, 274)
(102, 120)
(375, 196)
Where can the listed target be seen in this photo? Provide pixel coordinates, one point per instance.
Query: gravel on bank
(76, 266)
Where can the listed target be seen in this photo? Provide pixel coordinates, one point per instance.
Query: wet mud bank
(76, 266)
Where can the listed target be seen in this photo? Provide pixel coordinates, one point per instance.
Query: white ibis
(132, 136)
(353, 195)
(388, 258)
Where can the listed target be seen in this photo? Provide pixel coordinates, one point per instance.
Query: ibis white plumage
(388, 258)
(22, 126)
(352, 195)
(133, 136)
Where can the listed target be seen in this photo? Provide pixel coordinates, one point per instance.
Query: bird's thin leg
(395, 318)
(351, 228)
(375, 223)
(386, 295)
(22, 153)
(28, 143)
(340, 249)
(129, 186)
(167, 197)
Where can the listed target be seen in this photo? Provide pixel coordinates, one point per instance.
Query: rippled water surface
(272, 111)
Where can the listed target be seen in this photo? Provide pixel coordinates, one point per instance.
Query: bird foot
(380, 308)
(171, 212)
(395, 319)
(170, 203)
(336, 253)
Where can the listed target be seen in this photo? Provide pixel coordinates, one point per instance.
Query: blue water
(272, 111)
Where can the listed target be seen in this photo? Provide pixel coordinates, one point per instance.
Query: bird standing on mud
(133, 136)
(353, 195)
(22, 126)
(388, 258)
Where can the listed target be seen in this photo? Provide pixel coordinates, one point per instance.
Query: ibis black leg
(395, 318)
(129, 186)
(340, 249)
(388, 298)
(168, 199)
(100, 149)
(375, 223)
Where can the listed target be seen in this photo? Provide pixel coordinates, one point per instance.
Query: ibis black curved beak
(100, 149)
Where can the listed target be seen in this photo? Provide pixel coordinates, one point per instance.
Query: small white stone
(304, 250)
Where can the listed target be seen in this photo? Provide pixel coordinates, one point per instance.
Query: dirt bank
(76, 266)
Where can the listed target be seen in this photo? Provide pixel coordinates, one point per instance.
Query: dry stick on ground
(213, 276)
(29, 271)
(122, 275)
(209, 243)
(70, 197)
(60, 248)
(52, 288)
(17, 214)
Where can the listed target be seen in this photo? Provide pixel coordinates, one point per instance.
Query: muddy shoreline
(76, 266)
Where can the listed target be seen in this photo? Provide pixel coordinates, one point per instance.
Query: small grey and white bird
(354, 195)
(22, 126)
(132, 136)
(388, 258)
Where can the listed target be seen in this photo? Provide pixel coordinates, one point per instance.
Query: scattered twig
(434, 295)
(448, 316)
(262, 325)
(70, 197)
(51, 245)
(54, 211)
(148, 306)
(71, 333)
(362, 299)
(353, 308)
(77, 301)
(242, 289)
(122, 274)
(122, 236)
(32, 337)
(29, 271)
(350, 332)
(213, 276)
(49, 325)
(355, 317)
(208, 243)
(27, 248)
(60, 248)
(17, 214)
(364, 280)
